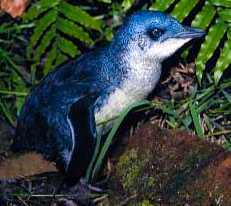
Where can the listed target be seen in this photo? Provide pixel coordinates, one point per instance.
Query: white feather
(68, 154)
(144, 73)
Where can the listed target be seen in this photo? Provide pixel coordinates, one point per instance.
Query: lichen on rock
(130, 168)
(162, 167)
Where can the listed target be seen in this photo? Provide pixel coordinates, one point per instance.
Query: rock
(162, 167)
(15, 8)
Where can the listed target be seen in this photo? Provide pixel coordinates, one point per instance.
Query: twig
(218, 133)
(23, 201)
(100, 198)
(128, 199)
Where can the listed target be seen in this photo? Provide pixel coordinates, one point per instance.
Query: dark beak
(190, 33)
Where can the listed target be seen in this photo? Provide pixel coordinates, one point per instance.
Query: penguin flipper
(82, 120)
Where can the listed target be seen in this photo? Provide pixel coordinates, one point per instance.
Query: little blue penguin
(60, 116)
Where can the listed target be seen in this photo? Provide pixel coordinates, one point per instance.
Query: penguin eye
(156, 33)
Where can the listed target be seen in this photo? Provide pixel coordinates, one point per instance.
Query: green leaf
(94, 157)
(227, 96)
(57, 25)
(196, 120)
(225, 3)
(224, 60)
(161, 5)
(61, 58)
(7, 28)
(78, 15)
(108, 33)
(225, 14)
(68, 47)
(38, 8)
(7, 114)
(74, 30)
(50, 59)
(45, 42)
(187, 120)
(183, 8)
(19, 85)
(41, 26)
(205, 16)
(127, 4)
(212, 40)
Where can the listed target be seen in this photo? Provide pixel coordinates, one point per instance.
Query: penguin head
(154, 34)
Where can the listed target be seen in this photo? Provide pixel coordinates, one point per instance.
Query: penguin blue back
(60, 115)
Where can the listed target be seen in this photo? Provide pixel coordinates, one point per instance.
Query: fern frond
(60, 59)
(161, 5)
(127, 4)
(185, 8)
(47, 39)
(58, 24)
(51, 56)
(78, 15)
(224, 60)
(225, 3)
(68, 47)
(41, 26)
(225, 14)
(74, 30)
(38, 8)
(205, 16)
(212, 40)
(214, 16)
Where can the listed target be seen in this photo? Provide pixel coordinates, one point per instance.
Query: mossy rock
(161, 167)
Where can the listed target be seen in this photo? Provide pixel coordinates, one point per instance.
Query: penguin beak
(190, 33)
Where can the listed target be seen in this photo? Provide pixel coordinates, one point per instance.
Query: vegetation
(55, 23)
(213, 16)
(52, 32)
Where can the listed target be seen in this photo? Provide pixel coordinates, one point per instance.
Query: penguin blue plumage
(60, 116)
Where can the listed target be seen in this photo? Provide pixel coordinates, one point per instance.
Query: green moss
(134, 173)
(151, 181)
(146, 203)
(130, 168)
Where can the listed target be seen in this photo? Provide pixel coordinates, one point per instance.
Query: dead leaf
(14, 7)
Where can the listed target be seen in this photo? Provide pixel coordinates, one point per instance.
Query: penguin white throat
(142, 77)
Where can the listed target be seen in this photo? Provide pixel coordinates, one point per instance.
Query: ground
(147, 166)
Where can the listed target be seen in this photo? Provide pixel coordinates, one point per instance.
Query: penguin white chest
(133, 89)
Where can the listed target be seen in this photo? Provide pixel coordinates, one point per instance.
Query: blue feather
(58, 117)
